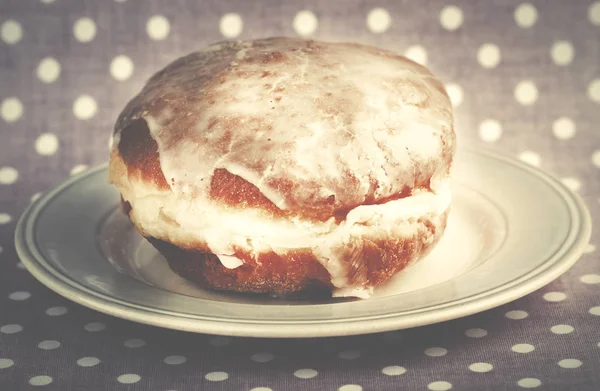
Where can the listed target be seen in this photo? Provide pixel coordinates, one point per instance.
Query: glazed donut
(285, 165)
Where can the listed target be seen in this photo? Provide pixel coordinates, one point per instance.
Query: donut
(285, 166)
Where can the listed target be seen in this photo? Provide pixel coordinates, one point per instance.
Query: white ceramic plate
(512, 229)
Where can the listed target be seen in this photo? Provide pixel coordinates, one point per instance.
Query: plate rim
(558, 263)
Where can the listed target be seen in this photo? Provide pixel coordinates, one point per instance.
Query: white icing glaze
(361, 292)
(333, 117)
(230, 262)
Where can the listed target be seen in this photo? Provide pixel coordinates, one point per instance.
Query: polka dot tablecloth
(524, 78)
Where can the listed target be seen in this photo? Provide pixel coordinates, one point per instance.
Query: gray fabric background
(565, 89)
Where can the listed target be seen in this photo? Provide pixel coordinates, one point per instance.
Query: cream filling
(180, 220)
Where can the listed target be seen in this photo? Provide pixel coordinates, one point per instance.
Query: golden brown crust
(139, 152)
(236, 192)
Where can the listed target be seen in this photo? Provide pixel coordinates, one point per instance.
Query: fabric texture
(524, 79)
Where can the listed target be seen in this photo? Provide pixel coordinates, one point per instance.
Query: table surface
(524, 79)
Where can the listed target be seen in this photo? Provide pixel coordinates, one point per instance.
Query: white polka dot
(48, 70)
(594, 90)
(94, 327)
(134, 343)
(417, 54)
(231, 25)
(563, 128)
(11, 109)
(56, 311)
(516, 314)
(595, 158)
(488, 55)
(47, 1)
(216, 376)
(5, 218)
(529, 382)
(20, 266)
(526, 92)
(261, 389)
(436, 352)
(85, 107)
(49, 345)
(121, 67)
(305, 373)
(8, 175)
(35, 197)
(589, 248)
(46, 144)
(40, 380)
(11, 328)
(451, 17)
(84, 29)
(6, 363)
(562, 52)
(562, 329)
(555, 296)
(569, 363)
(525, 15)
(572, 183)
(531, 157)
(350, 387)
(595, 311)
(88, 361)
(523, 348)
(11, 32)
(476, 333)
(481, 367)
(590, 279)
(378, 20)
(174, 360)
(78, 169)
(439, 386)
(490, 130)
(393, 370)
(305, 23)
(594, 13)
(19, 296)
(262, 357)
(456, 94)
(220, 341)
(128, 378)
(158, 27)
(349, 354)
